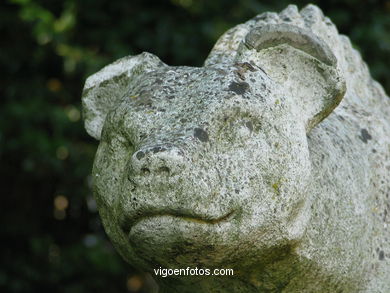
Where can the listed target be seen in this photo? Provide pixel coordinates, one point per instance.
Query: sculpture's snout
(165, 160)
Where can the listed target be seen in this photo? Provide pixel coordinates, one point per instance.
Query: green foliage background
(51, 236)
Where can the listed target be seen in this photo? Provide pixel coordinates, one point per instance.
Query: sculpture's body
(250, 162)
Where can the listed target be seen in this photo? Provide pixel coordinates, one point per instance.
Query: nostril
(139, 155)
(164, 170)
(145, 171)
(163, 160)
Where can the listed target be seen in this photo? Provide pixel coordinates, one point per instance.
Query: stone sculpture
(272, 159)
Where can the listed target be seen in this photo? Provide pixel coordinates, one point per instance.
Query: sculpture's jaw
(176, 241)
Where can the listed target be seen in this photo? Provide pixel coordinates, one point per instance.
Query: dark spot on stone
(140, 155)
(171, 97)
(253, 80)
(365, 136)
(145, 100)
(341, 117)
(145, 171)
(182, 120)
(157, 149)
(200, 134)
(249, 125)
(236, 191)
(374, 151)
(239, 87)
(161, 109)
(381, 255)
(159, 81)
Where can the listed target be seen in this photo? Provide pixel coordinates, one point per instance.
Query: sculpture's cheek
(109, 168)
(279, 176)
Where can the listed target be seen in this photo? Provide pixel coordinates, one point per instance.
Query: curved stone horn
(272, 35)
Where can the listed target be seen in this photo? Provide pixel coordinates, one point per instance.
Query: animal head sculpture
(209, 166)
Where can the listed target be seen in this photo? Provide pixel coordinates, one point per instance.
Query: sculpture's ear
(302, 63)
(104, 89)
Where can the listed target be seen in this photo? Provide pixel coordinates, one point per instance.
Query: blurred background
(51, 235)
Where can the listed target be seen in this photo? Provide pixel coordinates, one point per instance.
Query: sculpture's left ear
(302, 63)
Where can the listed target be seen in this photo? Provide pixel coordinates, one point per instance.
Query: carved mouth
(127, 224)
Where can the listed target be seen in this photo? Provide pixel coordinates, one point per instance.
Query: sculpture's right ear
(303, 65)
(104, 89)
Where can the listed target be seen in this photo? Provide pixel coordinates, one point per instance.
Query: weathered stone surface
(272, 159)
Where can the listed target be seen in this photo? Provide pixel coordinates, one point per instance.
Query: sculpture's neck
(289, 274)
(259, 278)
(273, 269)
